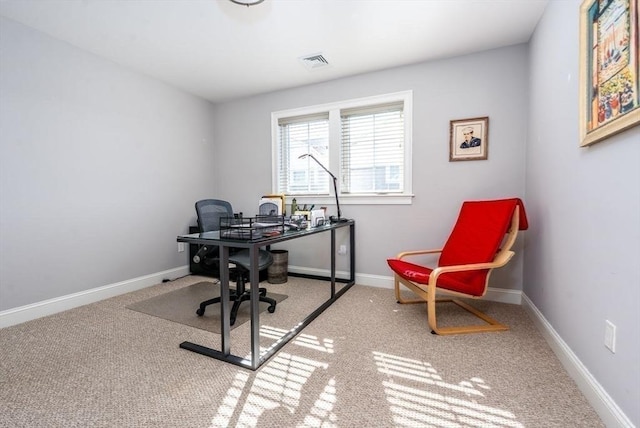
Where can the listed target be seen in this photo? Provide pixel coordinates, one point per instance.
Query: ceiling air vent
(315, 61)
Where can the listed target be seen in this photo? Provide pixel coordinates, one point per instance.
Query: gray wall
(99, 169)
(581, 267)
(490, 84)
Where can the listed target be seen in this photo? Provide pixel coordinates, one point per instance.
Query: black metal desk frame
(212, 238)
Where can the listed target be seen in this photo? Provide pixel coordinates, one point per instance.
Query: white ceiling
(220, 50)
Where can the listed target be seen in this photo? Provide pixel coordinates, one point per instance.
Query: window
(372, 150)
(365, 143)
(298, 136)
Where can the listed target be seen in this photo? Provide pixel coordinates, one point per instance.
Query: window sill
(324, 200)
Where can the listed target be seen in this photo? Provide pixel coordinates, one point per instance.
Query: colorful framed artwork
(609, 84)
(469, 139)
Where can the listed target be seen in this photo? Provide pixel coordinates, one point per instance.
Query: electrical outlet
(181, 247)
(610, 336)
(342, 250)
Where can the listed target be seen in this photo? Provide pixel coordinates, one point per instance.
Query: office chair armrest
(203, 252)
(417, 252)
(200, 254)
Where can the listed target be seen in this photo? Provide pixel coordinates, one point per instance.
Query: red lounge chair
(481, 240)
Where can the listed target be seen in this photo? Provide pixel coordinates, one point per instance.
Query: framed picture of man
(609, 68)
(469, 139)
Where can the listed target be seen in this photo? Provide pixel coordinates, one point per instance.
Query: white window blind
(298, 136)
(373, 149)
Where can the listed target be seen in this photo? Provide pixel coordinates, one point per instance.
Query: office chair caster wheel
(271, 309)
(200, 312)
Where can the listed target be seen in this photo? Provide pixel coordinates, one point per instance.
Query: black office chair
(209, 213)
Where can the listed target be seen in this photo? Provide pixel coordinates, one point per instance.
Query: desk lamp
(332, 218)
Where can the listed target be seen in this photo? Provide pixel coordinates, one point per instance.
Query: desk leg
(225, 326)
(254, 278)
(333, 263)
(352, 250)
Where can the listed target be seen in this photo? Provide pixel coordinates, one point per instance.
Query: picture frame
(609, 83)
(469, 139)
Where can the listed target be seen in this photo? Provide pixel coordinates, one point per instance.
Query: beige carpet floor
(365, 362)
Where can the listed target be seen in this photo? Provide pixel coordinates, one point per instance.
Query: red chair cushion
(420, 275)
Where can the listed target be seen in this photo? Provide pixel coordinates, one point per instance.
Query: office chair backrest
(209, 213)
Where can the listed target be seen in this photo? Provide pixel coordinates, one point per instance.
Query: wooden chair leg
(399, 297)
(491, 324)
(431, 303)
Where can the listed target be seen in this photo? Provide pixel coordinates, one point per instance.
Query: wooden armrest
(501, 259)
(417, 252)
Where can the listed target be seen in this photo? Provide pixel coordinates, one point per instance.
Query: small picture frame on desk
(272, 205)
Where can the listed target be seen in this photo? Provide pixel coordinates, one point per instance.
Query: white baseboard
(52, 306)
(319, 272)
(63, 303)
(607, 409)
(493, 294)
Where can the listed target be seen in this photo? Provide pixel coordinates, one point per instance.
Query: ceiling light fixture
(246, 2)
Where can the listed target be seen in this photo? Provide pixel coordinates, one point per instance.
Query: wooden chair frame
(428, 292)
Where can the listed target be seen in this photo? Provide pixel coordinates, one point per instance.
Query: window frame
(335, 134)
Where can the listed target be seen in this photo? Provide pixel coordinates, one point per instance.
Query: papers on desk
(247, 234)
(251, 228)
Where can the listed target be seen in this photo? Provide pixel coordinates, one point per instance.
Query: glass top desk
(257, 359)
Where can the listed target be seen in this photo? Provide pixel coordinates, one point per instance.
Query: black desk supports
(213, 238)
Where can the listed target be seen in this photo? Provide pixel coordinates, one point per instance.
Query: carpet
(180, 306)
(364, 362)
